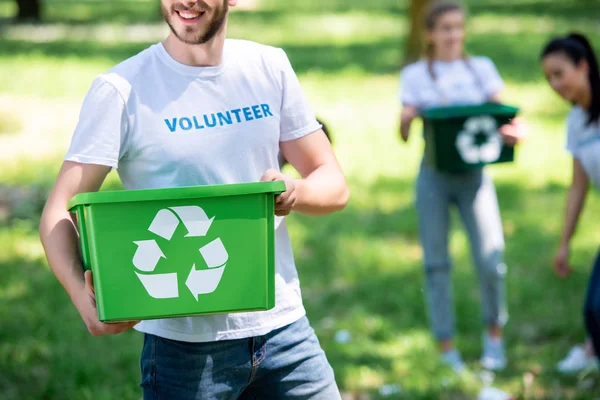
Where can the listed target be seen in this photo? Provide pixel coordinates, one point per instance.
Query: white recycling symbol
(469, 150)
(148, 254)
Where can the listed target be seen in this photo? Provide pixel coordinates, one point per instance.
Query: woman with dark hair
(571, 68)
(448, 77)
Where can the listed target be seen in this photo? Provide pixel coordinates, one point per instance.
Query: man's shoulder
(246, 51)
(249, 47)
(122, 75)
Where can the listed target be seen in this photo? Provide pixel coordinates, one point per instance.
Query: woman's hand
(514, 132)
(409, 113)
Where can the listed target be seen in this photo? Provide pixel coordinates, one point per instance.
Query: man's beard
(214, 25)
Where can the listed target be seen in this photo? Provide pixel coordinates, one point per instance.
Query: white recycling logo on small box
(466, 144)
(148, 254)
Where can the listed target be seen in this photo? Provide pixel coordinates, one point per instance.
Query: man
(198, 109)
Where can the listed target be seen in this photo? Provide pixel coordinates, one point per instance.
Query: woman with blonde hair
(447, 77)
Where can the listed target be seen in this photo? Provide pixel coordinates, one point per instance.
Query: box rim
(468, 111)
(176, 193)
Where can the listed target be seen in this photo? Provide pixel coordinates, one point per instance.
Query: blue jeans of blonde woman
(474, 194)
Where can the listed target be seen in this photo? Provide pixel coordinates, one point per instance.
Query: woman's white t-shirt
(461, 82)
(583, 142)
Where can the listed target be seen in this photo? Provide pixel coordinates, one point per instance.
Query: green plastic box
(461, 139)
(162, 253)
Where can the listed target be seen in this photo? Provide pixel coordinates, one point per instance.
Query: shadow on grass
(45, 349)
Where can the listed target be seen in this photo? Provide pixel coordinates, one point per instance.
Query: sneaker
(494, 356)
(453, 359)
(576, 361)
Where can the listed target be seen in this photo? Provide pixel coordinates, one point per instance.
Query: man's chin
(187, 35)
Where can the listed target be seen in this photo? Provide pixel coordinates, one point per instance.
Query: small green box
(465, 138)
(161, 253)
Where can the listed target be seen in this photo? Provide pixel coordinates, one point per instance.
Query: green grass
(9, 124)
(360, 269)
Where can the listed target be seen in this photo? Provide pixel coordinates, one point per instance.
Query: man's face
(195, 22)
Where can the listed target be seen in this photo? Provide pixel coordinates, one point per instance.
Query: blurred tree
(414, 44)
(29, 10)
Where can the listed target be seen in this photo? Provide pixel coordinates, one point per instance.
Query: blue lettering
(222, 118)
(188, 124)
(237, 112)
(247, 114)
(256, 110)
(210, 124)
(172, 125)
(266, 110)
(196, 124)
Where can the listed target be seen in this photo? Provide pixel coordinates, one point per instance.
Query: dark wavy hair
(577, 47)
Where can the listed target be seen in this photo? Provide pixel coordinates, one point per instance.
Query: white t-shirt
(460, 82)
(163, 124)
(583, 142)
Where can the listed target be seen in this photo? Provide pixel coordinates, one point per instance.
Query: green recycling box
(464, 138)
(162, 253)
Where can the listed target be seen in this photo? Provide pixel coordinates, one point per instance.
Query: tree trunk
(29, 10)
(414, 44)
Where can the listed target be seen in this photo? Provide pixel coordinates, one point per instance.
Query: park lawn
(361, 268)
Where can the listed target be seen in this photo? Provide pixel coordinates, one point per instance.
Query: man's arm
(59, 237)
(322, 188)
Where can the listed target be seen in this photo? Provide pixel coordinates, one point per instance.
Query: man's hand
(86, 305)
(286, 200)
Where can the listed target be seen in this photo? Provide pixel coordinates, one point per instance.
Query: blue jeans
(592, 306)
(475, 196)
(287, 363)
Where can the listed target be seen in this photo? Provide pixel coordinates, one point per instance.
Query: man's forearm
(59, 238)
(322, 192)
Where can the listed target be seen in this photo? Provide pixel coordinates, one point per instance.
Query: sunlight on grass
(7, 8)
(29, 249)
(361, 270)
(100, 33)
(352, 28)
(539, 24)
(338, 29)
(13, 291)
(27, 171)
(335, 5)
(377, 256)
(20, 235)
(70, 77)
(9, 124)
